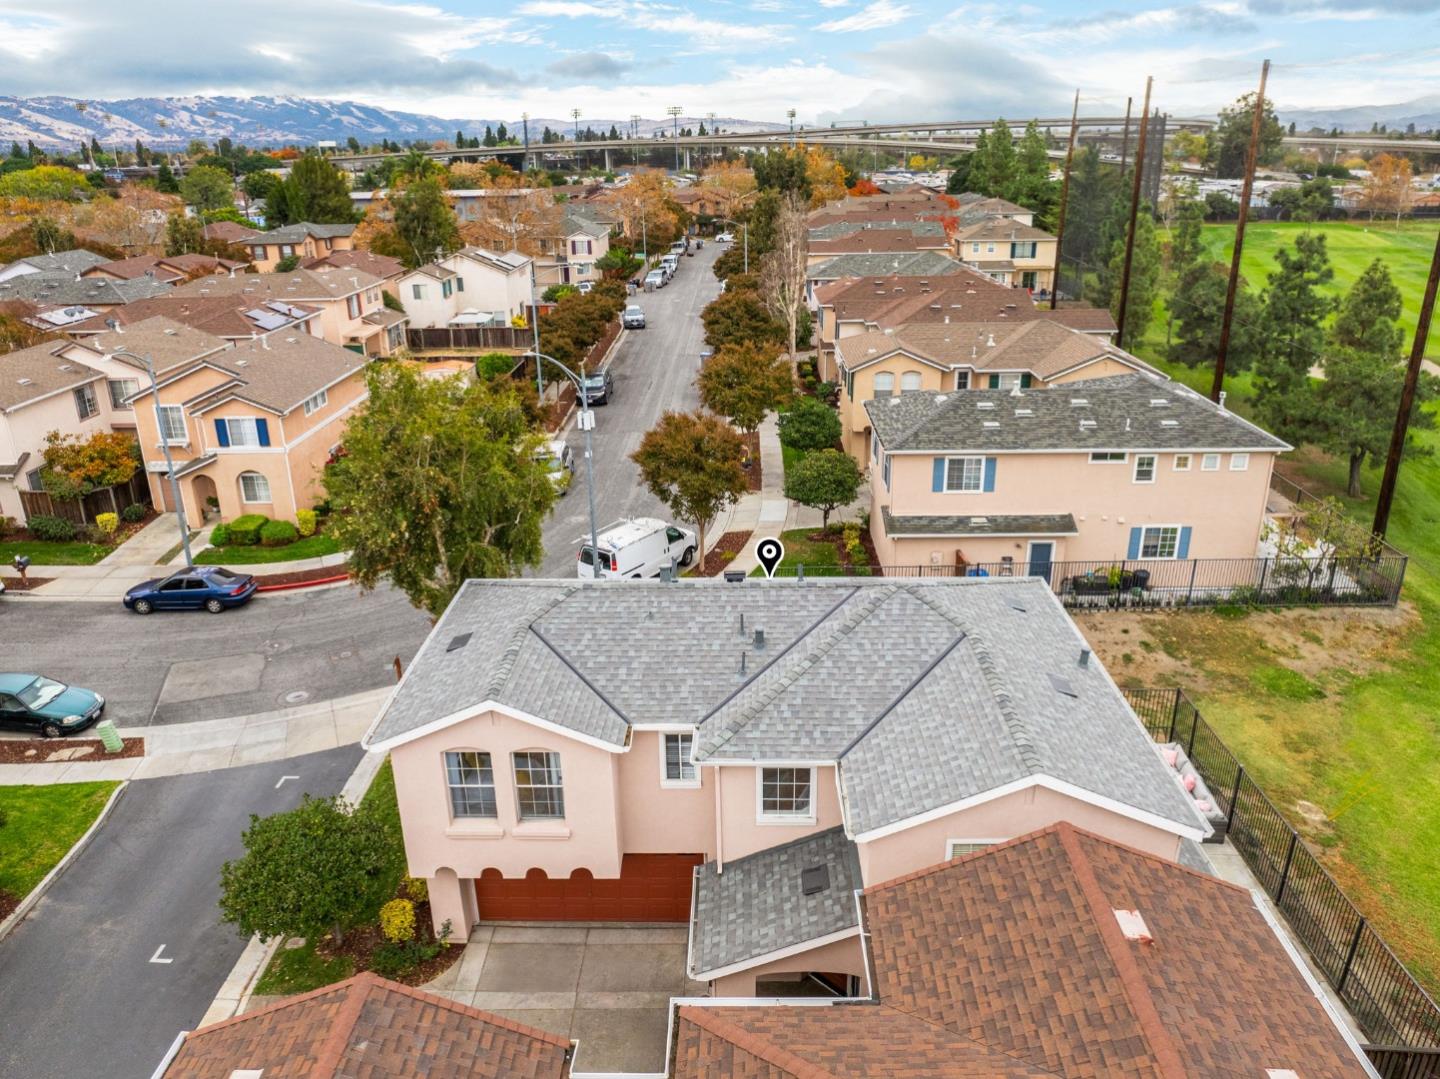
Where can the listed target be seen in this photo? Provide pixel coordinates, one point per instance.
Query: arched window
(254, 487)
(884, 384)
(910, 380)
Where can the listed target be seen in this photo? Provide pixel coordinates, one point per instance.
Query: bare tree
(782, 272)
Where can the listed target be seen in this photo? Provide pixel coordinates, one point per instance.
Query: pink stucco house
(1131, 468)
(743, 757)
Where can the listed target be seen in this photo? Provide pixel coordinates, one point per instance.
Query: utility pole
(713, 148)
(674, 111)
(635, 134)
(1134, 213)
(1407, 399)
(1064, 200)
(1125, 139)
(1251, 160)
(790, 113)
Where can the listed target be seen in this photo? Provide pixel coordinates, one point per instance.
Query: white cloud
(834, 3)
(701, 34)
(873, 16)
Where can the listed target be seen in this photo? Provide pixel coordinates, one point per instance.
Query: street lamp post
(165, 448)
(587, 424)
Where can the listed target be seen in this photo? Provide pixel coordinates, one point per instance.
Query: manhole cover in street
(296, 696)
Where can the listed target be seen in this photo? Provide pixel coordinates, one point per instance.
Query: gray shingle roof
(73, 261)
(1118, 413)
(836, 229)
(757, 905)
(1004, 524)
(927, 691)
(61, 289)
(902, 264)
(296, 233)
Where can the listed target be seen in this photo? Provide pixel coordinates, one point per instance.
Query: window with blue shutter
(1183, 551)
(262, 428)
(1134, 550)
(989, 474)
(937, 474)
(222, 433)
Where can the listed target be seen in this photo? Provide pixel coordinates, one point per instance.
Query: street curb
(239, 985)
(292, 585)
(605, 361)
(28, 903)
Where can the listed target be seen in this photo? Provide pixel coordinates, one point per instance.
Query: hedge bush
(305, 522)
(54, 529)
(278, 533)
(397, 920)
(809, 425)
(107, 523)
(494, 365)
(245, 530)
(134, 512)
(220, 535)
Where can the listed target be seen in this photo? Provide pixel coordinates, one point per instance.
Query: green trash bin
(109, 736)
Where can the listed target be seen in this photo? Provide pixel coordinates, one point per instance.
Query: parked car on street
(725, 238)
(32, 702)
(655, 279)
(599, 387)
(559, 462)
(640, 547)
(633, 318)
(210, 588)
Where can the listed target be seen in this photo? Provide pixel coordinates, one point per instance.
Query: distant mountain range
(1423, 112)
(260, 121)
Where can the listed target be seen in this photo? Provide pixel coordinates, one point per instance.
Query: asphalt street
(654, 371)
(126, 948)
(177, 667)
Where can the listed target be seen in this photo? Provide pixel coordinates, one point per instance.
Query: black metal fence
(1404, 1062)
(1393, 1010)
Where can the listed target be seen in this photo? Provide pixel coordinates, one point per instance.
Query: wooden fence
(451, 337)
(83, 511)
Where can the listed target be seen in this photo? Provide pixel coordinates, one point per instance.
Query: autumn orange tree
(691, 461)
(75, 466)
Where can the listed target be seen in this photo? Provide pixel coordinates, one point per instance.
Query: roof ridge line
(869, 727)
(591, 686)
(332, 1049)
(1132, 982)
(512, 647)
(756, 1045)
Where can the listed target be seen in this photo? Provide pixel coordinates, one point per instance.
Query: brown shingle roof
(321, 284)
(869, 240)
(135, 267)
(31, 373)
(376, 265)
(1014, 958)
(168, 343)
(223, 316)
(370, 1028)
(892, 302)
(230, 232)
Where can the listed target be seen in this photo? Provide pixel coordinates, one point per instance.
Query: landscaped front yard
(37, 826)
(45, 553)
(234, 555)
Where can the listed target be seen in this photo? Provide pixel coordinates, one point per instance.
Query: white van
(639, 547)
(655, 279)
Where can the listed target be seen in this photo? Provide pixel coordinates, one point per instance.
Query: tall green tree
(1198, 309)
(207, 188)
(1368, 316)
(425, 224)
(1187, 249)
(1032, 186)
(165, 181)
(184, 235)
(1000, 163)
(1092, 192)
(824, 480)
(1229, 142)
(1295, 307)
(782, 170)
(438, 483)
(745, 382)
(691, 461)
(1355, 406)
(315, 191)
(1145, 268)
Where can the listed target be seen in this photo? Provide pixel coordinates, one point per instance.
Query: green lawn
(790, 456)
(42, 823)
(299, 970)
(308, 547)
(43, 553)
(801, 550)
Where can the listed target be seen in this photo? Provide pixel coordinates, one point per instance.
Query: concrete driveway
(606, 986)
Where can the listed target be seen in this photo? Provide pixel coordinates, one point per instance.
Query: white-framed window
(254, 487)
(1160, 541)
(242, 431)
(1210, 462)
(975, 248)
(446, 289)
(121, 389)
(965, 474)
(417, 292)
(171, 420)
(352, 305)
(1239, 462)
(874, 448)
(86, 404)
(677, 770)
(885, 470)
(786, 794)
(459, 284)
(316, 403)
(539, 789)
(1182, 462)
(1109, 457)
(286, 250)
(1144, 468)
(989, 249)
(958, 848)
(910, 380)
(471, 782)
(884, 384)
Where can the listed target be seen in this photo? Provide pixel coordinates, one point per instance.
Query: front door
(1041, 554)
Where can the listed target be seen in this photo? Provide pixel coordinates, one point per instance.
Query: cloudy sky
(827, 59)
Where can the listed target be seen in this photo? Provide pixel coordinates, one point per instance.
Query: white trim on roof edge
(779, 953)
(472, 711)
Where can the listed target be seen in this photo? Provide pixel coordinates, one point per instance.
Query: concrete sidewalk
(108, 581)
(219, 743)
(768, 512)
(148, 546)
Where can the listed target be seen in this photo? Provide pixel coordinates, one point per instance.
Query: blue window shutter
(1134, 551)
(989, 474)
(1183, 550)
(222, 432)
(937, 474)
(262, 428)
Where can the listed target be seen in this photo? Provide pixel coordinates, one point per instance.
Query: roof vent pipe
(742, 623)
(1221, 402)
(759, 639)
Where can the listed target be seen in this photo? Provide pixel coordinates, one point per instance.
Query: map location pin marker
(769, 553)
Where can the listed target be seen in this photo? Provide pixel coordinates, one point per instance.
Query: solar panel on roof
(267, 320)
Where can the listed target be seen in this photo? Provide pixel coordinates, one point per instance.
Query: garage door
(650, 888)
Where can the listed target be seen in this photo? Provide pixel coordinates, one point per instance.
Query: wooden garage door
(651, 888)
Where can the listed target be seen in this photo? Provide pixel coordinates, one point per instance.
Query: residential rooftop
(1119, 413)
(1038, 346)
(76, 260)
(901, 264)
(302, 285)
(64, 288)
(296, 233)
(28, 374)
(230, 315)
(167, 343)
(382, 266)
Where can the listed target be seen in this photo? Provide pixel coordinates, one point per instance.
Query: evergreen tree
(1187, 250)
(460, 142)
(352, 144)
(979, 175)
(424, 222)
(489, 139)
(32, 151)
(1002, 160)
(315, 191)
(95, 149)
(1293, 337)
(1145, 265)
(165, 181)
(1368, 316)
(1197, 310)
(1032, 184)
(224, 147)
(16, 151)
(501, 135)
(142, 155)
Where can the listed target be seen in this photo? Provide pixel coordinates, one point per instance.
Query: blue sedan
(211, 588)
(36, 703)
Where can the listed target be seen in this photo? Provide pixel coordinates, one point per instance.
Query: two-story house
(472, 287)
(302, 240)
(1127, 467)
(250, 427)
(548, 768)
(1010, 252)
(352, 311)
(926, 265)
(388, 270)
(73, 262)
(874, 241)
(568, 256)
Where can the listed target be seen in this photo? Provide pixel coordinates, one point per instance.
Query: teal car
(33, 702)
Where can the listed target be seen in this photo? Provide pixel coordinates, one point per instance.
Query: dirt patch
(359, 947)
(751, 460)
(300, 576)
(39, 750)
(8, 903)
(28, 584)
(723, 553)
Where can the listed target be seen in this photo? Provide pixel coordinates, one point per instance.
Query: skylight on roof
(1079, 402)
(1085, 425)
(991, 423)
(1169, 423)
(985, 404)
(1024, 412)
(1159, 402)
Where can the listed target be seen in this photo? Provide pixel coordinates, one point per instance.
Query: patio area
(606, 986)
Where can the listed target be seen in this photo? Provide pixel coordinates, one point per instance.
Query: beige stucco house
(1010, 252)
(550, 764)
(251, 427)
(302, 240)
